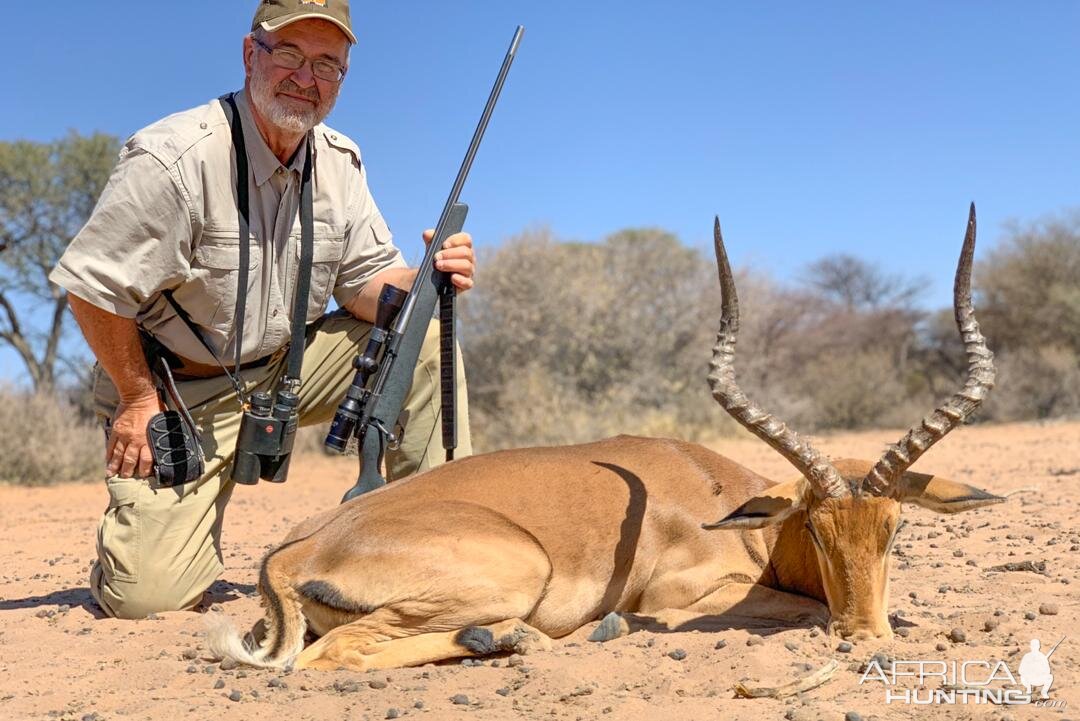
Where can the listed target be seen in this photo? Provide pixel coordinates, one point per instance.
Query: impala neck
(794, 560)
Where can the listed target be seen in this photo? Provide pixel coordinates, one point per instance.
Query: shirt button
(202, 126)
(274, 314)
(333, 137)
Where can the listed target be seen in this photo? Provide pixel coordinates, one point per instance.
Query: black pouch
(177, 456)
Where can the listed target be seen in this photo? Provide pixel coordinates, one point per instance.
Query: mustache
(289, 86)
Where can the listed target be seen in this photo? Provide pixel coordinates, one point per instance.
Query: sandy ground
(60, 659)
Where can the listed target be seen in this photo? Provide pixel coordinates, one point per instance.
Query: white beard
(283, 114)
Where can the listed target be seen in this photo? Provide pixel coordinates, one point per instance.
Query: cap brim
(273, 27)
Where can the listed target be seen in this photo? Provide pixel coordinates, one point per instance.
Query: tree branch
(13, 319)
(55, 331)
(18, 341)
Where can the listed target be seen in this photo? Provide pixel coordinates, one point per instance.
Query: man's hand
(128, 452)
(115, 342)
(456, 258)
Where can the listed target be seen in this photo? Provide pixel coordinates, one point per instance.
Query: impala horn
(824, 479)
(882, 478)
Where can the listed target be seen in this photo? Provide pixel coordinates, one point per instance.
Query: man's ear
(772, 506)
(942, 495)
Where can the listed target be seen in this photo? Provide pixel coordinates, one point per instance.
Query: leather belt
(188, 369)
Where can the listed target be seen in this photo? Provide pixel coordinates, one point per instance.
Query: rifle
(400, 326)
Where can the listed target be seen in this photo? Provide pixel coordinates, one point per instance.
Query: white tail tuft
(225, 642)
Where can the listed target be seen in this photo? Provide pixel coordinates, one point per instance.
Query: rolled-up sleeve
(369, 246)
(137, 241)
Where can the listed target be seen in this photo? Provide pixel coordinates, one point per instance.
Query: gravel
(346, 686)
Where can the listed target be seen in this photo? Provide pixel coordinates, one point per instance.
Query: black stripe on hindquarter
(274, 603)
(277, 611)
(330, 595)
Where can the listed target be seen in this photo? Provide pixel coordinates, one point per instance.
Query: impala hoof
(611, 627)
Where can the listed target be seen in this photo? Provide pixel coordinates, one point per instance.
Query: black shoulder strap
(303, 280)
(243, 203)
(307, 247)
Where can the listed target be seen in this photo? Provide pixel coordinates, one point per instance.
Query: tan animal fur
(505, 551)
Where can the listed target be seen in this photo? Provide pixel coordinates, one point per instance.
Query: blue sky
(810, 128)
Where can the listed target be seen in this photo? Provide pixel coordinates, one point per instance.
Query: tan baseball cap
(273, 15)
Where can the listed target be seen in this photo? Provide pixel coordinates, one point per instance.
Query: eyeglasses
(292, 60)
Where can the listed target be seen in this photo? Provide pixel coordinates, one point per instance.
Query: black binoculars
(267, 431)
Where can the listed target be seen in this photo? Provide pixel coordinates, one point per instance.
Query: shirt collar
(262, 160)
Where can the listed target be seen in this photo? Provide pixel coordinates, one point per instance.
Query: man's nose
(303, 76)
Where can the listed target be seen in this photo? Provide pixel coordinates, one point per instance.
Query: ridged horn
(824, 479)
(881, 480)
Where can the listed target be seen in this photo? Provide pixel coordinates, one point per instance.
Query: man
(164, 242)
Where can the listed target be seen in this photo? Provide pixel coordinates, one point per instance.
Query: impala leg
(363, 646)
(736, 605)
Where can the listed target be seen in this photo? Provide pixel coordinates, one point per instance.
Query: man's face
(295, 100)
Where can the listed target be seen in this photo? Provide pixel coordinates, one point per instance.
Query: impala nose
(862, 631)
(866, 634)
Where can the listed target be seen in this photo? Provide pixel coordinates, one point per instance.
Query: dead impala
(506, 550)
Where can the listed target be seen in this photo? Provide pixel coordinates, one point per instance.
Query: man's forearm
(115, 342)
(364, 304)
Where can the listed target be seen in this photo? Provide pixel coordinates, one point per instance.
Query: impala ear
(942, 495)
(772, 506)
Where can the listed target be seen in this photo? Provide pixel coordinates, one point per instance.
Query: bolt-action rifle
(371, 411)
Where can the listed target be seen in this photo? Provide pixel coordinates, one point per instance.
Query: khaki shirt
(167, 219)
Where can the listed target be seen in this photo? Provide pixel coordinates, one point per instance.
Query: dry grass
(44, 441)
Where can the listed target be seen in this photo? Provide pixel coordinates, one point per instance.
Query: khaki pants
(159, 548)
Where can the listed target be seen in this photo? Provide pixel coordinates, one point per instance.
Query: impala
(507, 550)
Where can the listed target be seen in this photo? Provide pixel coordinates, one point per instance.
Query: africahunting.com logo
(927, 682)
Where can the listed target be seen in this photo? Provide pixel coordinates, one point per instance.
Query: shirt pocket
(215, 273)
(328, 250)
